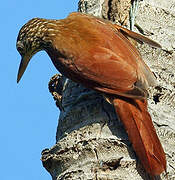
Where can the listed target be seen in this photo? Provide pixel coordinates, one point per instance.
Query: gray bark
(91, 142)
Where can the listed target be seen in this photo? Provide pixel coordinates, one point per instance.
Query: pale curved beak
(23, 65)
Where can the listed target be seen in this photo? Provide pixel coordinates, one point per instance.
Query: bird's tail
(142, 134)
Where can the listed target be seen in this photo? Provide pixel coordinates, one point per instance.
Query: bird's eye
(20, 48)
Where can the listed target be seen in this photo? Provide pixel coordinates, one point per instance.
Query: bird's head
(29, 42)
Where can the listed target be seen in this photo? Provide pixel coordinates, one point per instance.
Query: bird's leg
(133, 11)
(107, 119)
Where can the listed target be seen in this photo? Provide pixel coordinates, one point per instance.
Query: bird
(99, 55)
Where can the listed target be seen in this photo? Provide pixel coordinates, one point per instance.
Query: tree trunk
(91, 142)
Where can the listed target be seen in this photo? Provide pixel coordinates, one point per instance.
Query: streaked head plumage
(30, 36)
(29, 41)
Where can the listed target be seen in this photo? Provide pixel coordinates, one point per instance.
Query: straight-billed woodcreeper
(100, 56)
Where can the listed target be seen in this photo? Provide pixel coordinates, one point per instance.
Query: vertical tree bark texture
(91, 142)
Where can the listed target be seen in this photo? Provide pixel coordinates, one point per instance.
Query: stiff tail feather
(142, 134)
